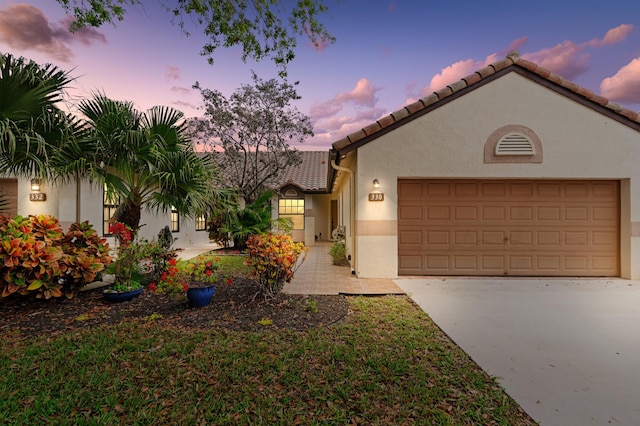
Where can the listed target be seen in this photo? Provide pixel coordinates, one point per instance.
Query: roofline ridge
(511, 59)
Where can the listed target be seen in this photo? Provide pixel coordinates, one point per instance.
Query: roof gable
(512, 63)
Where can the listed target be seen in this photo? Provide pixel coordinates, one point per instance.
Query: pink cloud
(613, 36)
(346, 112)
(515, 45)
(566, 59)
(455, 72)
(172, 73)
(623, 86)
(185, 91)
(25, 27)
(363, 94)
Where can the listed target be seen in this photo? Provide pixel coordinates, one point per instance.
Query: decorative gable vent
(515, 144)
(291, 193)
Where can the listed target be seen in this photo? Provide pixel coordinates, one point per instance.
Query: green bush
(338, 253)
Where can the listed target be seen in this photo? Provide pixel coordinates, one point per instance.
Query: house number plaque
(38, 196)
(376, 196)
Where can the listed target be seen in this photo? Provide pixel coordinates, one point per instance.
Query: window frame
(287, 211)
(110, 207)
(174, 220)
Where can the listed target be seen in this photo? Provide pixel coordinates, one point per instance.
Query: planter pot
(199, 296)
(122, 297)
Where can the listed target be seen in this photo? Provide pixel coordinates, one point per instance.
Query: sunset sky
(388, 53)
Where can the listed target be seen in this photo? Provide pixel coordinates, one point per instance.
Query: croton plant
(38, 258)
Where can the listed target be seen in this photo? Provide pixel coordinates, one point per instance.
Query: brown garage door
(508, 227)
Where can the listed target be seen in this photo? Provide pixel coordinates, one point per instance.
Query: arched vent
(515, 144)
(291, 193)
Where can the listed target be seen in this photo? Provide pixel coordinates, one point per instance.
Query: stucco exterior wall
(62, 202)
(578, 142)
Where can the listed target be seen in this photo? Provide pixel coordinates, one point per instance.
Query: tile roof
(311, 174)
(513, 59)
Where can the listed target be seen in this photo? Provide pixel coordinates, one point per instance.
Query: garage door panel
(555, 228)
(408, 213)
(549, 264)
(493, 213)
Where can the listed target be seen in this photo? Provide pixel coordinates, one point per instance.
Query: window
(201, 222)
(293, 209)
(110, 203)
(175, 220)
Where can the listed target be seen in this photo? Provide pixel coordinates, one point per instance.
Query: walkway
(317, 275)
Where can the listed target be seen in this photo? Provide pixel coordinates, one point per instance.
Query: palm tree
(32, 127)
(143, 159)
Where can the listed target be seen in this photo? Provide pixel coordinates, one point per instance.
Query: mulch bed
(234, 307)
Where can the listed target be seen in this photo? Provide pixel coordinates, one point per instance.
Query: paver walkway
(318, 275)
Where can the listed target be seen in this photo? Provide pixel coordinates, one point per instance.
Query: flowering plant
(129, 253)
(182, 274)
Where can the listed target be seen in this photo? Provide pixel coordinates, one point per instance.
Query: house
(301, 195)
(82, 201)
(510, 171)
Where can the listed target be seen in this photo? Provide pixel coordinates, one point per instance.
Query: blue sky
(388, 53)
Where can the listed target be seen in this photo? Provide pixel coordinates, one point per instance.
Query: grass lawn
(386, 363)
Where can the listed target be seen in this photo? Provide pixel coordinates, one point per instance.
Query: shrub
(338, 253)
(37, 258)
(274, 259)
(85, 256)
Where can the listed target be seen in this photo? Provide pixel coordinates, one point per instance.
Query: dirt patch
(233, 307)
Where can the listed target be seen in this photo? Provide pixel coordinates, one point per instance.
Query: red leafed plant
(85, 256)
(34, 259)
(274, 259)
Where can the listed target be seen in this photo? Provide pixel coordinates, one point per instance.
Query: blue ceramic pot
(199, 296)
(122, 297)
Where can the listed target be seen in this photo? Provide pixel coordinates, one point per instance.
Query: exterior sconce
(35, 194)
(376, 183)
(35, 185)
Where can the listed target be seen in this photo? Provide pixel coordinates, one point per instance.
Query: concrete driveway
(568, 351)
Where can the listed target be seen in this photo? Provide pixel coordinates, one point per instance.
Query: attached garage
(508, 227)
(511, 170)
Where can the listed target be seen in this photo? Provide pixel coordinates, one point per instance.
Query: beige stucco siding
(578, 142)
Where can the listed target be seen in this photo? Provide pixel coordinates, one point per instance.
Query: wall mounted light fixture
(376, 183)
(35, 185)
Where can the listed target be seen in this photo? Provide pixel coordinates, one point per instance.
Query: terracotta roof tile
(512, 59)
(570, 85)
(372, 128)
(457, 86)
(400, 114)
(443, 93)
(585, 92)
(472, 78)
(486, 72)
(386, 121)
(414, 107)
(310, 174)
(600, 100)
